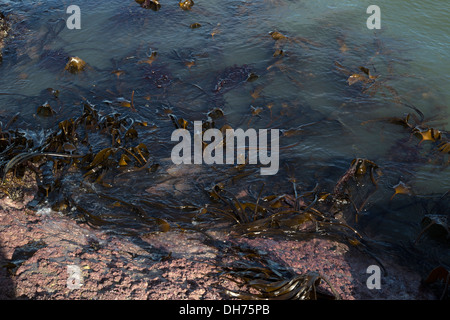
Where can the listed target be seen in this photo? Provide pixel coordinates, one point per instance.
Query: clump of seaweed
(295, 215)
(186, 4)
(362, 172)
(260, 278)
(440, 139)
(370, 84)
(416, 126)
(4, 30)
(435, 220)
(149, 4)
(439, 276)
(70, 148)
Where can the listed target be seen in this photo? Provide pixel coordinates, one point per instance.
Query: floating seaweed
(361, 172)
(149, 4)
(103, 150)
(290, 215)
(439, 274)
(75, 65)
(365, 77)
(186, 59)
(231, 77)
(23, 253)
(428, 134)
(358, 168)
(4, 30)
(150, 58)
(118, 73)
(216, 30)
(60, 151)
(278, 52)
(342, 45)
(435, 224)
(401, 188)
(271, 281)
(195, 25)
(279, 37)
(444, 147)
(186, 4)
(45, 110)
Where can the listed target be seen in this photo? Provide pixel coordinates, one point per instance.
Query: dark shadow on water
(7, 288)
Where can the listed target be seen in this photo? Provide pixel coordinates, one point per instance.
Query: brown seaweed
(53, 157)
(186, 4)
(75, 65)
(300, 287)
(295, 216)
(150, 58)
(369, 83)
(45, 110)
(418, 128)
(254, 271)
(23, 253)
(195, 25)
(435, 225)
(4, 31)
(231, 77)
(361, 172)
(300, 214)
(149, 4)
(439, 274)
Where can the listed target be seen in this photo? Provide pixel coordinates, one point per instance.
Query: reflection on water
(264, 64)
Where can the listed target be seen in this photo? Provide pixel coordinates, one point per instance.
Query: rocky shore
(37, 248)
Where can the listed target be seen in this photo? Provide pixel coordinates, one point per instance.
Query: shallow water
(306, 91)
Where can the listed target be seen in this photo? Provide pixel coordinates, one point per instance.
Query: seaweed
(195, 25)
(439, 139)
(102, 152)
(298, 216)
(439, 275)
(45, 110)
(4, 31)
(186, 4)
(369, 84)
(401, 188)
(231, 77)
(435, 220)
(75, 65)
(362, 172)
(69, 147)
(150, 58)
(23, 253)
(149, 4)
(260, 278)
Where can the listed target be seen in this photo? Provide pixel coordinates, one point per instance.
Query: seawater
(410, 53)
